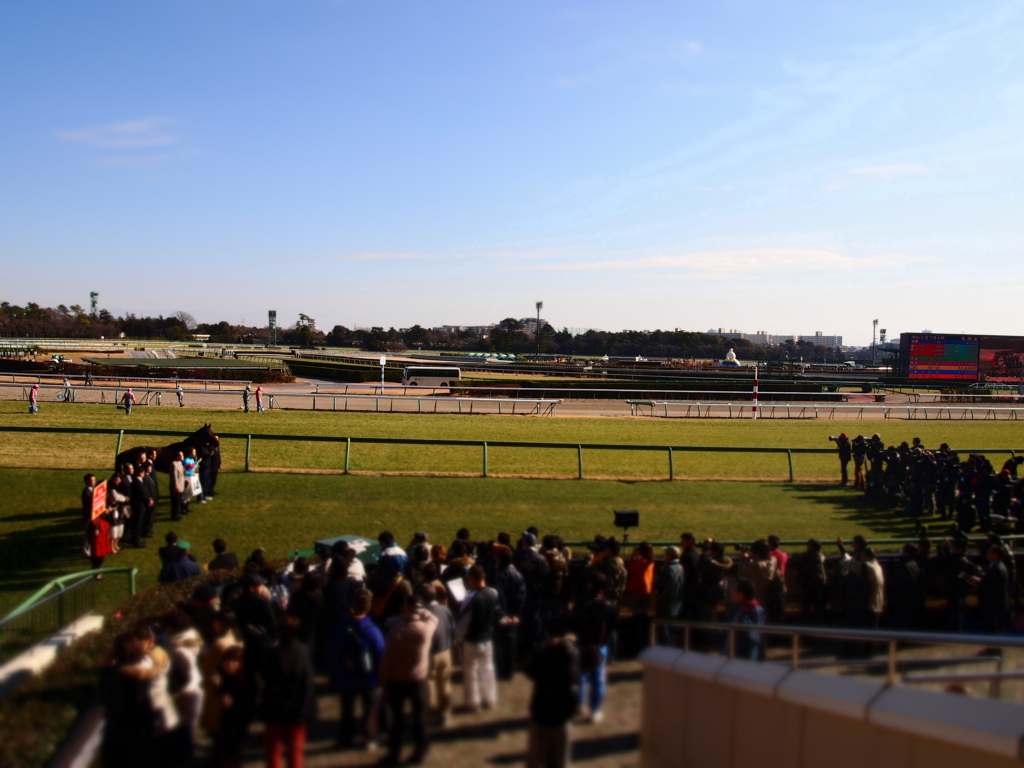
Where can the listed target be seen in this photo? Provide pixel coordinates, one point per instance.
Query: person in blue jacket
(355, 648)
(745, 610)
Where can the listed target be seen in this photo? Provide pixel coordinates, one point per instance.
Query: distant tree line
(508, 336)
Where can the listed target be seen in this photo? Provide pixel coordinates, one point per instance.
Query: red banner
(99, 499)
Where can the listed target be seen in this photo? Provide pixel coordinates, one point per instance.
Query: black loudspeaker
(627, 518)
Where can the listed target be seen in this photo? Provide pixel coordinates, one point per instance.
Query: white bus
(430, 376)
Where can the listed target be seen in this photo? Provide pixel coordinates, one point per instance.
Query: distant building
(765, 339)
(820, 340)
(529, 325)
(480, 330)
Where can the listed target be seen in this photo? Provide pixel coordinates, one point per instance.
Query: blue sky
(785, 166)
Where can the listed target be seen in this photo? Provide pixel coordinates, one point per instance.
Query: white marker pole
(383, 360)
(754, 409)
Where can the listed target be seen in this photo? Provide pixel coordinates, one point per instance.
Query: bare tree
(186, 320)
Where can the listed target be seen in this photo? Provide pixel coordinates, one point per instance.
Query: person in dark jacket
(181, 567)
(907, 591)
(593, 620)
(845, 451)
(138, 497)
(745, 610)
(256, 622)
(354, 652)
(690, 560)
(813, 582)
(129, 738)
(224, 561)
(169, 551)
(151, 496)
(993, 593)
(534, 568)
(957, 571)
(511, 588)
(307, 605)
(555, 671)
(481, 612)
(668, 593)
(289, 701)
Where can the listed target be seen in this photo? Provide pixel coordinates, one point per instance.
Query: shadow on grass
(58, 536)
(851, 505)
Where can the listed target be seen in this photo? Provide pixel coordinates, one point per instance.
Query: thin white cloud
(139, 161)
(735, 263)
(145, 132)
(886, 172)
(413, 256)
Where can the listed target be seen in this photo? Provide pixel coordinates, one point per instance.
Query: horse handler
(245, 398)
(33, 405)
(128, 398)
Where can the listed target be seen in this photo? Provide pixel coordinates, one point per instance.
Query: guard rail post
(579, 455)
(117, 450)
(348, 452)
(789, 455)
(485, 458)
(132, 574)
(248, 450)
(671, 464)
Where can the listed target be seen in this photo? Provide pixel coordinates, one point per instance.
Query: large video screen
(956, 357)
(941, 356)
(1001, 360)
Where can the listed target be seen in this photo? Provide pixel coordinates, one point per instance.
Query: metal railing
(43, 379)
(828, 411)
(891, 640)
(49, 611)
(669, 450)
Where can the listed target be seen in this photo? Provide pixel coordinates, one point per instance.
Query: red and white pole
(754, 409)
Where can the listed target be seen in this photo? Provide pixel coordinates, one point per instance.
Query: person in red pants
(288, 696)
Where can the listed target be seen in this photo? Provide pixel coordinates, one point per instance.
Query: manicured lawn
(41, 529)
(75, 451)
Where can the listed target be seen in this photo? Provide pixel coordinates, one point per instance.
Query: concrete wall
(701, 711)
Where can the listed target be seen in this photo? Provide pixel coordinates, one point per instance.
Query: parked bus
(431, 376)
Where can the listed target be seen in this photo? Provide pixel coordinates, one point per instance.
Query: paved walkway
(497, 737)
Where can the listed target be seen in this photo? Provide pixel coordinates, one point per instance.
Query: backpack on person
(354, 657)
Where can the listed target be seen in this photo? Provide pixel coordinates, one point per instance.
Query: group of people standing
(388, 641)
(920, 482)
(129, 510)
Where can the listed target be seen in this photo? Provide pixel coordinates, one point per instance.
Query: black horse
(201, 440)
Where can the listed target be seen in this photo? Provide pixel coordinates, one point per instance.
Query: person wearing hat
(245, 398)
(33, 405)
(128, 399)
(845, 450)
(182, 567)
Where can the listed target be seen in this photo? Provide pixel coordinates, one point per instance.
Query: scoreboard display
(937, 356)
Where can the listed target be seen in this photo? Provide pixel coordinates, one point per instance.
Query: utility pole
(540, 306)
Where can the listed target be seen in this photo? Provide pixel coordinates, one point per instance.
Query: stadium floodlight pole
(874, 331)
(540, 306)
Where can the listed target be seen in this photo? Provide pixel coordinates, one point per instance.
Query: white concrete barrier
(701, 709)
(40, 656)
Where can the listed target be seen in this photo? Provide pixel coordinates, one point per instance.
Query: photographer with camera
(845, 450)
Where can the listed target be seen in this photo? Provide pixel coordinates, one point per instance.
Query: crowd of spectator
(388, 634)
(920, 482)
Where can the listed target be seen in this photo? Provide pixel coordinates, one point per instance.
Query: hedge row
(39, 714)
